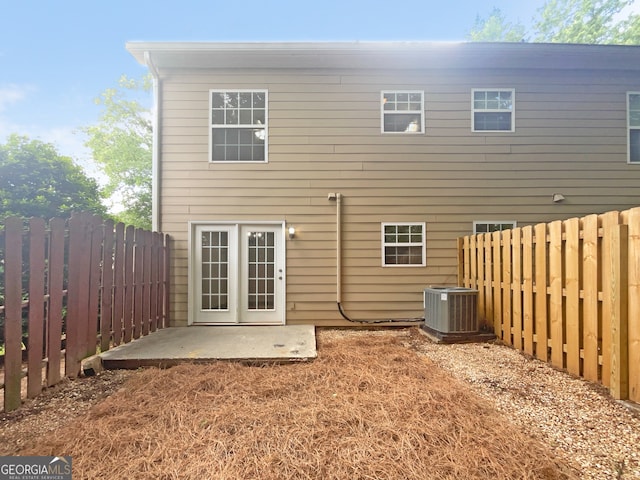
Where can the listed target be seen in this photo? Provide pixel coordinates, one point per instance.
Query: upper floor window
(633, 118)
(492, 110)
(403, 244)
(402, 111)
(485, 226)
(238, 126)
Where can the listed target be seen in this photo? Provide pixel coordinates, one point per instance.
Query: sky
(57, 56)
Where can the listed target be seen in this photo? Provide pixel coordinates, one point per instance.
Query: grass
(367, 408)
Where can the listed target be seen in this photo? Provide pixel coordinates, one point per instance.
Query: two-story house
(306, 182)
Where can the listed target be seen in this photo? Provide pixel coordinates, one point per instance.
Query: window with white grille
(403, 244)
(238, 126)
(402, 111)
(492, 110)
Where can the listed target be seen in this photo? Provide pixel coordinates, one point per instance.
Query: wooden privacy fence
(567, 292)
(72, 287)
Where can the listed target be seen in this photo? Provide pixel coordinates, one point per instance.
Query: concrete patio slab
(171, 346)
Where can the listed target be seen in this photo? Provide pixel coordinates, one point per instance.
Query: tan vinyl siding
(324, 136)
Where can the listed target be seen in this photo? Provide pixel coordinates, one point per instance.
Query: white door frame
(234, 314)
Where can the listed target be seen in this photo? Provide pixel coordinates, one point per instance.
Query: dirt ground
(367, 408)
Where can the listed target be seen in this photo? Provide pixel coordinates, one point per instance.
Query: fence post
(617, 243)
(12, 313)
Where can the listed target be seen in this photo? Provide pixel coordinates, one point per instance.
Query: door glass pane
(261, 270)
(214, 268)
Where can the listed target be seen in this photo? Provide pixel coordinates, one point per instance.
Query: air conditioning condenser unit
(451, 310)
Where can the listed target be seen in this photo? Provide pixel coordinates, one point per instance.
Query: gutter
(155, 148)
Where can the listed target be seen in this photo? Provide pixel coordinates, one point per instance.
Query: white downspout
(155, 145)
(337, 197)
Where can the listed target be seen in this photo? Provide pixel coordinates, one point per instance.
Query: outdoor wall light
(557, 197)
(292, 233)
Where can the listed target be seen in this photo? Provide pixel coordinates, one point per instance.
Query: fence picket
(527, 289)
(617, 243)
(481, 278)
(590, 288)
(118, 284)
(94, 224)
(76, 233)
(541, 301)
(12, 313)
(516, 287)
(154, 265)
(488, 285)
(506, 287)
(128, 284)
(146, 282)
(555, 297)
(497, 280)
(467, 262)
(572, 297)
(609, 221)
(138, 255)
(56, 299)
(166, 284)
(106, 308)
(634, 304)
(36, 306)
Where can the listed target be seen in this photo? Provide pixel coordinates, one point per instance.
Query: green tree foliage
(586, 21)
(122, 147)
(566, 21)
(496, 28)
(35, 181)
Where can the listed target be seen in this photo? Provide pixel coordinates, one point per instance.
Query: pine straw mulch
(366, 408)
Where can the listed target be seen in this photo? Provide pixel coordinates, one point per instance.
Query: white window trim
(423, 244)
(421, 112)
(266, 124)
(512, 111)
(513, 223)
(629, 128)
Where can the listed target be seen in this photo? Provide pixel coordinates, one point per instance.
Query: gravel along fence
(579, 420)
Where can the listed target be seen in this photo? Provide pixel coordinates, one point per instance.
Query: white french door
(238, 274)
